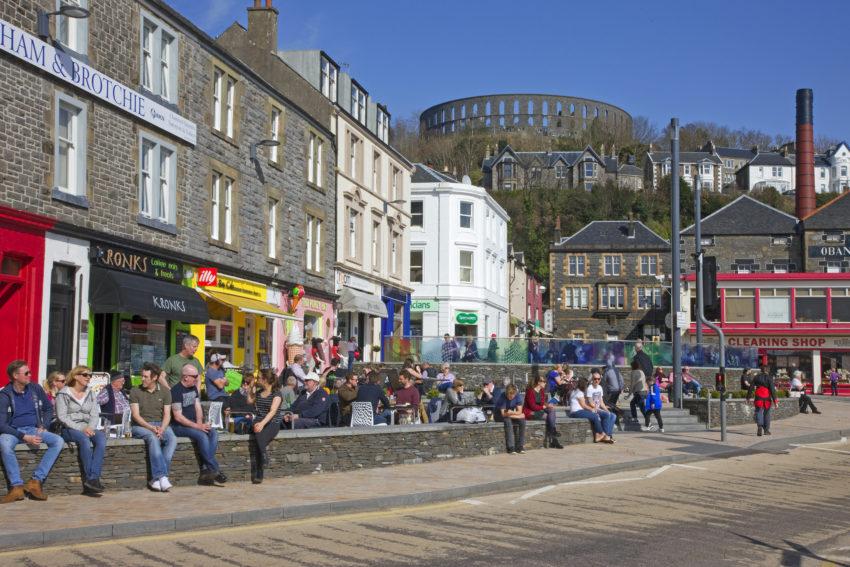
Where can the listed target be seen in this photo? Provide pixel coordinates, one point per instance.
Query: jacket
(44, 408)
(315, 406)
(653, 399)
(644, 361)
(373, 394)
(529, 402)
(77, 414)
(451, 399)
(638, 379)
(764, 389)
(613, 382)
(346, 396)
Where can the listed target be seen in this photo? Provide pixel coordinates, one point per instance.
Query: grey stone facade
(27, 137)
(761, 253)
(738, 412)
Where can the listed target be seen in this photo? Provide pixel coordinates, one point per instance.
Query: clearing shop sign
(790, 342)
(44, 56)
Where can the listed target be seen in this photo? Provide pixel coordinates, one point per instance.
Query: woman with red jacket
(535, 406)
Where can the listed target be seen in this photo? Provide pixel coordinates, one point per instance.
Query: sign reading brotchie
(29, 48)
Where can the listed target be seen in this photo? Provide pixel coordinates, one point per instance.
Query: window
(843, 171)
(395, 189)
(744, 269)
(416, 266)
(706, 241)
(507, 170)
(224, 99)
(353, 233)
(780, 240)
(575, 297)
(417, 214)
(589, 169)
(706, 168)
(315, 149)
(612, 297)
(833, 267)
(314, 243)
(823, 173)
(841, 305)
(834, 237)
(776, 171)
(560, 171)
(774, 306)
(222, 208)
(72, 32)
(329, 79)
(354, 149)
(376, 173)
(272, 228)
(465, 214)
(159, 58)
(649, 297)
(358, 104)
(810, 305)
(276, 129)
(70, 147)
(465, 266)
(575, 265)
(157, 179)
(729, 163)
(383, 124)
(395, 254)
(648, 265)
(612, 264)
(686, 169)
(740, 306)
(376, 244)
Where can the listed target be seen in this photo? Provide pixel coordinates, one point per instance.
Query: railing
(522, 350)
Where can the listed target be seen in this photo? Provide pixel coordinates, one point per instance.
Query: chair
(214, 415)
(116, 430)
(362, 414)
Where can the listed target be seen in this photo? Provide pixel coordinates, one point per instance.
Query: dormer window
(329, 79)
(358, 104)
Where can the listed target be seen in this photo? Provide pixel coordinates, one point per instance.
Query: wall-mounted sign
(789, 342)
(45, 57)
(207, 277)
(116, 258)
(421, 305)
(240, 287)
(466, 318)
(837, 250)
(315, 305)
(355, 282)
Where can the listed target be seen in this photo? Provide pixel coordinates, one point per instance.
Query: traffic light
(709, 281)
(720, 382)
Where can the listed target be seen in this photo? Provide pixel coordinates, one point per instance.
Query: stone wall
(299, 452)
(739, 412)
(757, 251)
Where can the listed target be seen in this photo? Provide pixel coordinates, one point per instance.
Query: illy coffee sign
(207, 277)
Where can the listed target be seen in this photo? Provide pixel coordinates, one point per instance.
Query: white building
(372, 214)
(838, 159)
(458, 258)
(768, 169)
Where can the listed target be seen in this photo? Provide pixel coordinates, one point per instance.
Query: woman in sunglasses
(79, 413)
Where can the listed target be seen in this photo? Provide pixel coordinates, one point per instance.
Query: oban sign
(45, 57)
(466, 318)
(831, 250)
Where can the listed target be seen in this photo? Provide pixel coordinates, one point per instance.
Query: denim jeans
(207, 442)
(595, 419)
(10, 461)
(383, 417)
(692, 387)
(762, 416)
(92, 450)
(514, 443)
(160, 451)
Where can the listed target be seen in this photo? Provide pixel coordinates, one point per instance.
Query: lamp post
(395, 202)
(675, 229)
(255, 161)
(69, 11)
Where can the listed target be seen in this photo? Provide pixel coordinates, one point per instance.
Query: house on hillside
(705, 165)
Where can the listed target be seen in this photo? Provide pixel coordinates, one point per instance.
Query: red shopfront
(21, 283)
(796, 321)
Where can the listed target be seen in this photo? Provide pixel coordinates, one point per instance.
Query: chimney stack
(262, 25)
(631, 233)
(557, 231)
(805, 154)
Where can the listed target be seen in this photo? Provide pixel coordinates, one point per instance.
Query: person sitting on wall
(690, 385)
(535, 406)
(470, 353)
(311, 408)
(805, 400)
(150, 405)
(238, 408)
(188, 421)
(112, 399)
(509, 410)
(445, 378)
(454, 398)
(373, 393)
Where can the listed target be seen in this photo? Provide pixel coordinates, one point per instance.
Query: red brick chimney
(805, 198)
(262, 25)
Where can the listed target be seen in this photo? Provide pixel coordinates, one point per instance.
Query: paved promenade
(130, 513)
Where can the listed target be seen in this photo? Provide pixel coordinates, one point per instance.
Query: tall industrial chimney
(805, 154)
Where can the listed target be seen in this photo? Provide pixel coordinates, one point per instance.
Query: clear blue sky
(737, 63)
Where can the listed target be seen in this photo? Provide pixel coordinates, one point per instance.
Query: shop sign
(207, 277)
(789, 342)
(420, 305)
(466, 318)
(833, 251)
(315, 304)
(45, 57)
(240, 287)
(355, 282)
(116, 258)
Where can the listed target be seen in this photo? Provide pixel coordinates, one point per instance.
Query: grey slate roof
(833, 215)
(611, 165)
(770, 159)
(612, 235)
(685, 157)
(821, 161)
(746, 215)
(424, 174)
(734, 153)
(628, 169)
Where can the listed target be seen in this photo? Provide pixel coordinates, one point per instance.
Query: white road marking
(689, 467)
(533, 493)
(657, 471)
(821, 449)
(606, 481)
(473, 502)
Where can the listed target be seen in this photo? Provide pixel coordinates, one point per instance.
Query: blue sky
(737, 63)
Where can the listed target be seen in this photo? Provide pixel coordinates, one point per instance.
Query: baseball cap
(312, 376)
(217, 358)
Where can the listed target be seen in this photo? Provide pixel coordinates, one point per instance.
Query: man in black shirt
(373, 393)
(189, 422)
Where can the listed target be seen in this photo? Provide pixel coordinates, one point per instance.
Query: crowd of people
(167, 405)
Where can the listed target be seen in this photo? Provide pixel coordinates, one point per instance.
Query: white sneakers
(661, 430)
(650, 428)
(160, 484)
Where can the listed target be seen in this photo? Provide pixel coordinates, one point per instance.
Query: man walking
(25, 413)
(613, 386)
(188, 421)
(173, 366)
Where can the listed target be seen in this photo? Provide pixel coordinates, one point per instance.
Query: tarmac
(77, 519)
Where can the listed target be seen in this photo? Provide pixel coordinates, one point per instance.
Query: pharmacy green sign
(466, 318)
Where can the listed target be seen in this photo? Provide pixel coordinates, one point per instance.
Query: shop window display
(142, 340)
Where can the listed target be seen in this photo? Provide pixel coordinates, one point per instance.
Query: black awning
(118, 292)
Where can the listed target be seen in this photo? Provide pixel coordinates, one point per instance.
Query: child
(653, 406)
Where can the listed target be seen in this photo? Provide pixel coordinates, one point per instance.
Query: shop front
(242, 322)
(424, 317)
(397, 322)
(359, 311)
(139, 308)
(314, 316)
(21, 286)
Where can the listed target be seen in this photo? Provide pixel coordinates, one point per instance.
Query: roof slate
(771, 158)
(686, 157)
(833, 215)
(612, 235)
(424, 174)
(746, 216)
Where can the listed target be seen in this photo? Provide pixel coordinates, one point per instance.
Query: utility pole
(698, 243)
(676, 295)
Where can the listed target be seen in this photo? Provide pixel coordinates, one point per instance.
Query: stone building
(707, 166)
(606, 282)
(826, 237)
(733, 160)
(128, 143)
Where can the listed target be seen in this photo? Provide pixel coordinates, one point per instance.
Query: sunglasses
(59, 380)
(84, 374)
(28, 373)
(192, 375)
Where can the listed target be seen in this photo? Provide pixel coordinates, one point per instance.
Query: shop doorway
(466, 331)
(60, 330)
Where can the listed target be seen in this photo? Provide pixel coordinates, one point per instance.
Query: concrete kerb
(130, 529)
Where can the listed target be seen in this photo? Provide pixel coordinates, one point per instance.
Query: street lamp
(66, 10)
(266, 143)
(396, 202)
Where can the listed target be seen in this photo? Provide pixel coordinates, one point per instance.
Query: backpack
(471, 415)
